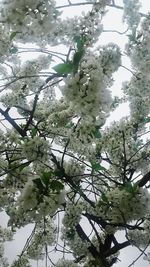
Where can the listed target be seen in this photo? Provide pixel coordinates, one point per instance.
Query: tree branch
(96, 219)
(12, 122)
(69, 181)
(32, 113)
(116, 248)
(144, 180)
(92, 249)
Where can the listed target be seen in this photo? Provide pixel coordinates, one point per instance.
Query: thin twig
(115, 31)
(143, 251)
(12, 122)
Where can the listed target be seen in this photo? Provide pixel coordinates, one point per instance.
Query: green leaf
(104, 198)
(70, 125)
(130, 188)
(70, 233)
(98, 149)
(13, 50)
(23, 165)
(39, 184)
(139, 35)
(97, 167)
(76, 59)
(33, 132)
(96, 133)
(12, 36)
(79, 40)
(64, 68)
(147, 120)
(56, 186)
(45, 177)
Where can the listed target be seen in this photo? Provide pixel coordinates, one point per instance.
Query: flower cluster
(35, 148)
(66, 263)
(29, 19)
(62, 161)
(86, 90)
(32, 202)
(4, 44)
(44, 235)
(126, 151)
(122, 206)
(139, 99)
(138, 50)
(110, 58)
(72, 215)
(141, 237)
(71, 218)
(74, 169)
(5, 235)
(23, 261)
(87, 25)
(27, 76)
(131, 13)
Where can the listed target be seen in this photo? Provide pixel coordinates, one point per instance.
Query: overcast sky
(115, 23)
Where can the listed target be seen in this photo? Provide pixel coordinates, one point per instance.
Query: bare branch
(12, 122)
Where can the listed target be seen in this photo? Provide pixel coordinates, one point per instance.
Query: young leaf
(12, 36)
(97, 167)
(96, 133)
(76, 60)
(45, 177)
(147, 120)
(104, 198)
(23, 165)
(56, 186)
(13, 50)
(39, 184)
(70, 125)
(70, 233)
(79, 42)
(64, 68)
(131, 188)
(33, 132)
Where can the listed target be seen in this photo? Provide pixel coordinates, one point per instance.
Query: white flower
(29, 18)
(23, 261)
(45, 234)
(66, 263)
(124, 206)
(35, 148)
(131, 12)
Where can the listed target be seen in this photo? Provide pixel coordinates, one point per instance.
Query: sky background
(112, 21)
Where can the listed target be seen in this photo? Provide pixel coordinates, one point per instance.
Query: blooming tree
(63, 169)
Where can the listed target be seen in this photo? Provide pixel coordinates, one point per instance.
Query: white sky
(111, 22)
